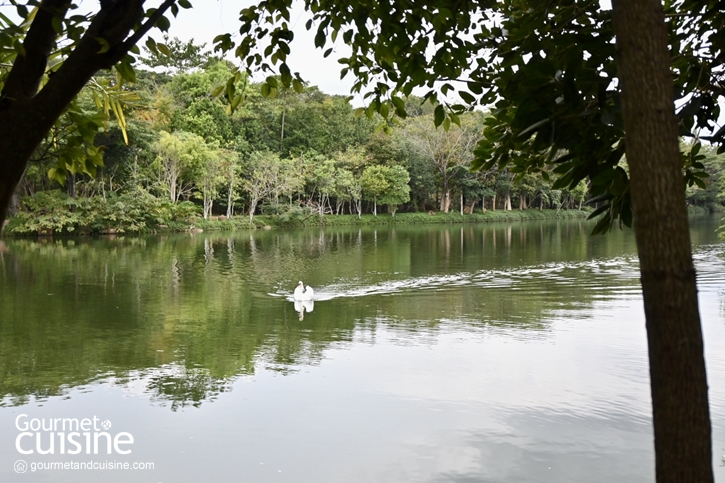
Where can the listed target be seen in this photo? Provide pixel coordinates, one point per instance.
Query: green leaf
(151, 45)
(534, 126)
(320, 38)
(218, 90)
(57, 25)
(163, 24)
(298, 86)
(126, 71)
(467, 97)
(164, 49)
(439, 114)
(385, 110)
(104, 45)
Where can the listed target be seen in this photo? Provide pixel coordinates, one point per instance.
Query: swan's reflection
(302, 306)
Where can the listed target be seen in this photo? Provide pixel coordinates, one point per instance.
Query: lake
(439, 353)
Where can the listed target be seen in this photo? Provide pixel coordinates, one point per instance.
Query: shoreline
(267, 222)
(281, 221)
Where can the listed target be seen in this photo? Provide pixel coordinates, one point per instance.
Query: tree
(348, 184)
(267, 174)
(177, 55)
(446, 149)
(549, 67)
(398, 191)
(72, 49)
(211, 175)
(375, 184)
(232, 168)
(322, 179)
(179, 160)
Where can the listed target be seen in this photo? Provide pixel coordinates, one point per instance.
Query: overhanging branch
(28, 69)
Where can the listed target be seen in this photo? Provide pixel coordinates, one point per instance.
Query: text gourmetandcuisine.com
(22, 466)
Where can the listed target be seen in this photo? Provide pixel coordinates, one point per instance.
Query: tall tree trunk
(507, 201)
(493, 202)
(135, 169)
(230, 203)
(281, 136)
(14, 202)
(677, 367)
(230, 196)
(208, 202)
(446, 201)
(172, 188)
(72, 185)
(252, 208)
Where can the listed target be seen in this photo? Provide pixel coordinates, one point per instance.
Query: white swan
(299, 293)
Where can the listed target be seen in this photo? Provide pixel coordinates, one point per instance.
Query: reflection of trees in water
(201, 304)
(182, 387)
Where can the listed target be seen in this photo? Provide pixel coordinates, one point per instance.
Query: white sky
(210, 18)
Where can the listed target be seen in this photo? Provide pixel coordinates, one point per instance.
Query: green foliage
(291, 155)
(55, 212)
(375, 182)
(398, 191)
(548, 70)
(174, 55)
(47, 211)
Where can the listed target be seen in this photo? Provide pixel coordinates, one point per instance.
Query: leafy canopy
(547, 68)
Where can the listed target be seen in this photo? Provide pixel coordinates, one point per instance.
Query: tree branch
(28, 69)
(148, 25)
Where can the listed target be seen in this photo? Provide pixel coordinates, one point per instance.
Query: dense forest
(171, 148)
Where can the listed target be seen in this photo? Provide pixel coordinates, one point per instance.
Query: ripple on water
(587, 275)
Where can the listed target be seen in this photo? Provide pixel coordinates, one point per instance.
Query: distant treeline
(168, 150)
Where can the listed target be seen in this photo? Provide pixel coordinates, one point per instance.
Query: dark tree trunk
(677, 366)
(26, 114)
(71, 182)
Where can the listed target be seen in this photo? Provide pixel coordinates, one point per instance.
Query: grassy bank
(30, 224)
(282, 221)
(693, 210)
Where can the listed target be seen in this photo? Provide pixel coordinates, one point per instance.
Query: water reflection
(446, 353)
(302, 306)
(211, 306)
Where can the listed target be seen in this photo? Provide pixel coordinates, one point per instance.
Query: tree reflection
(190, 314)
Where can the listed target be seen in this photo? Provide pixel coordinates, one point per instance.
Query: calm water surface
(489, 353)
